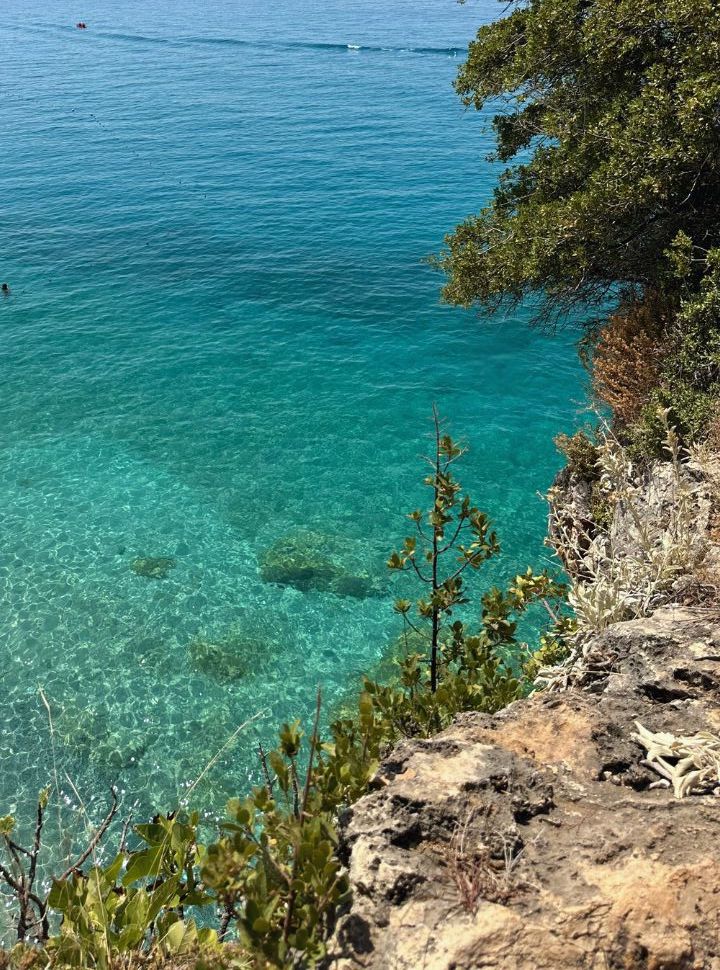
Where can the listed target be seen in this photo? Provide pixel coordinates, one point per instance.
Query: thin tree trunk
(436, 612)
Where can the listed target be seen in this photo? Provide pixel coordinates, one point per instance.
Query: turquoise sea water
(221, 331)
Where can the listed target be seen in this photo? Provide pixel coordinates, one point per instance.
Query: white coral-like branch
(694, 760)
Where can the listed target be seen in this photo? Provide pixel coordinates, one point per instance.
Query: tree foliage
(607, 115)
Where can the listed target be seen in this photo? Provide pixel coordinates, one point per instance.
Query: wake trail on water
(272, 45)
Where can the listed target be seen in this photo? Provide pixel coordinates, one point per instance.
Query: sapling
(451, 537)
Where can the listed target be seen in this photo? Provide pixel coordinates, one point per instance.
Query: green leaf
(61, 895)
(174, 937)
(366, 710)
(162, 896)
(147, 862)
(260, 926)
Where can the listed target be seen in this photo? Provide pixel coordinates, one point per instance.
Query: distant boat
(353, 47)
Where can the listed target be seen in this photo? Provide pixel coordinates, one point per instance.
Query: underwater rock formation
(152, 567)
(224, 661)
(229, 657)
(311, 561)
(95, 735)
(152, 653)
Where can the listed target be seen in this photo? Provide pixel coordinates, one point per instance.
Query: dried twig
(475, 873)
(32, 909)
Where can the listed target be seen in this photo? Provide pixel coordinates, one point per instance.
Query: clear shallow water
(220, 331)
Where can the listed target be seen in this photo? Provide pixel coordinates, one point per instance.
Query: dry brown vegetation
(477, 875)
(627, 356)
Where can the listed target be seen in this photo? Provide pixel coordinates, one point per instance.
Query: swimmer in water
(5, 289)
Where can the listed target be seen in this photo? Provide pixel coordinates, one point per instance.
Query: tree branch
(95, 839)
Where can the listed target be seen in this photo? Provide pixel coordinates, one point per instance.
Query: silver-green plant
(619, 580)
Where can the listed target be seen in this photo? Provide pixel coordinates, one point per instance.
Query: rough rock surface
(533, 838)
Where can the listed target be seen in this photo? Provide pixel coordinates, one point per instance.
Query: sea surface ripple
(222, 330)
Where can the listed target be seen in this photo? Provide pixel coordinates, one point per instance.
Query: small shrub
(627, 357)
(609, 585)
(24, 957)
(602, 508)
(276, 874)
(688, 374)
(555, 647)
(691, 412)
(583, 461)
(713, 427)
(580, 453)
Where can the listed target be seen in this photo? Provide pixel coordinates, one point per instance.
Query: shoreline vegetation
(609, 203)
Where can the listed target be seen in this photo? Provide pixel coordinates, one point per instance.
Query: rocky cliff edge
(551, 835)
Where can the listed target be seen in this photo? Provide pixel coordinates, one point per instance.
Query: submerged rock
(311, 561)
(229, 657)
(151, 653)
(152, 567)
(216, 661)
(120, 751)
(93, 734)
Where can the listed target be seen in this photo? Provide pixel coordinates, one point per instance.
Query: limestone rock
(536, 838)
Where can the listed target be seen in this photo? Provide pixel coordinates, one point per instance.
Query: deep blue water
(213, 219)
